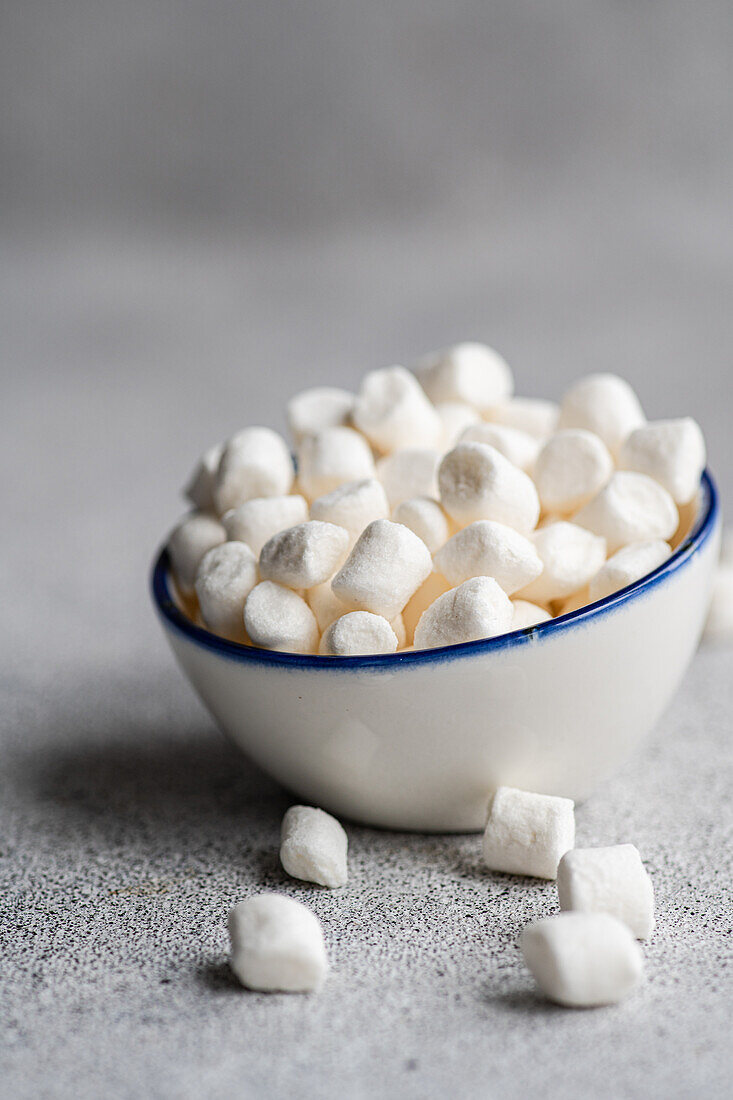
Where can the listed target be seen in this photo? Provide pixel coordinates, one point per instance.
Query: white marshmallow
(604, 404)
(582, 960)
(627, 565)
(488, 549)
(324, 604)
(388, 563)
(476, 482)
(571, 468)
(719, 625)
(478, 608)
(304, 555)
(313, 847)
(277, 945)
(277, 618)
(255, 462)
(353, 506)
(393, 412)
(332, 458)
(398, 625)
(670, 451)
(426, 518)
(455, 417)
(631, 508)
(533, 415)
(608, 880)
(570, 556)
(187, 544)
(527, 833)
(257, 520)
(200, 486)
(427, 594)
(519, 447)
(310, 411)
(528, 614)
(472, 373)
(225, 577)
(409, 473)
(358, 632)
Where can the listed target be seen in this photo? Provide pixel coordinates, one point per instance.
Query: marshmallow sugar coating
(256, 462)
(314, 846)
(277, 945)
(571, 468)
(187, 544)
(353, 506)
(477, 482)
(426, 519)
(226, 576)
(627, 565)
(392, 411)
(603, 404)
(570, 556)
(277, 618)
(387, 565)
(528, 833)
(608, 880)
(489, 549)
(356, 633)
(471, 373)
(257, 520)
(332, 457)
(310, 411)
(630, 508)
(478, 608)
(670, 451)
(304, 555)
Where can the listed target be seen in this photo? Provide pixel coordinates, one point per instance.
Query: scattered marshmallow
(455, 417)
(529, 414)
(304, 555)
(257, 520)
(278, 618)
(489, 549)
(519, 447)
(331, 458)
(388, 563)
(255, 462)
(477, 482)
(393, 412)
(478, 608)
(608, 880)
(571, 468)
(409, 473)
(528, 614)
(427, 594)
(426, 518)
(358, 632)
(225, 577)
(277, 945)
(200, 486)
(670, 451)
(604, 404)
(582, 960)
(472, 373)
(325, 605)
(631, 508)
(719, 625)
(321, 407)
(570, 556)
(313, 847)
(627, 565)
(527, 833)
(187, 544)
(353, 506)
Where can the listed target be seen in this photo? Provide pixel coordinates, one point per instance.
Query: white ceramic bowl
(418, 740)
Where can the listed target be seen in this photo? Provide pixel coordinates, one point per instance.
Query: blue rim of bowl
(170, 612)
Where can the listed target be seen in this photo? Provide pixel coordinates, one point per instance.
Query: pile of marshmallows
(431, 508)
(584, 956)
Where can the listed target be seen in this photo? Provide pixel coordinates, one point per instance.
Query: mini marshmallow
(332, 458)
(455, 417)
(527, 833)
(427, 594)
(570, 556)
(353, 506)
(388, 563)
(426, 518)
(627, 565)
(478, 608)
(225, 577)
(313, 847)
(255, 462)
(358, 632)
(472, 373)
(257, 520)
(187, 544)
(571, 468)
(489, 549)
(604, 404)
(670, 451)
(719, 625)
(304, 555)
(200, 486)
(582, 960)
(324, 604)
(277, 618)
(533, 415)
(393, 412)
(631, 508)
(277, 945)
(321, 407)
(608, 880)
(477, 482)
(398, 625)
(409, 473)
(528, 614)
(519, 447)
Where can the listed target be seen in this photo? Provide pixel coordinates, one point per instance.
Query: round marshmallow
(388, 563)
(670, 451)
(304, 555)
(409, 473)
(477, 482)
(489, 549)
(277, 618)
(455, 417)
(631, 508)
(353, 506)
(427, 594)
(426, 518)
(200, 486)
(608, 880)
(519, 447)
(358, 632)
(627, 565)
(533, 415)
(472, 373)
(528, 614)
(187, 544)
(257, 520)
(332, 458)
(570, 556)
(321, 407)
(604, 404)
(527, 833)
(277, 945)
(313, 847)
(570, 469)
(478, 608)
(392, 411)
(255, 462)
(225, 577)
